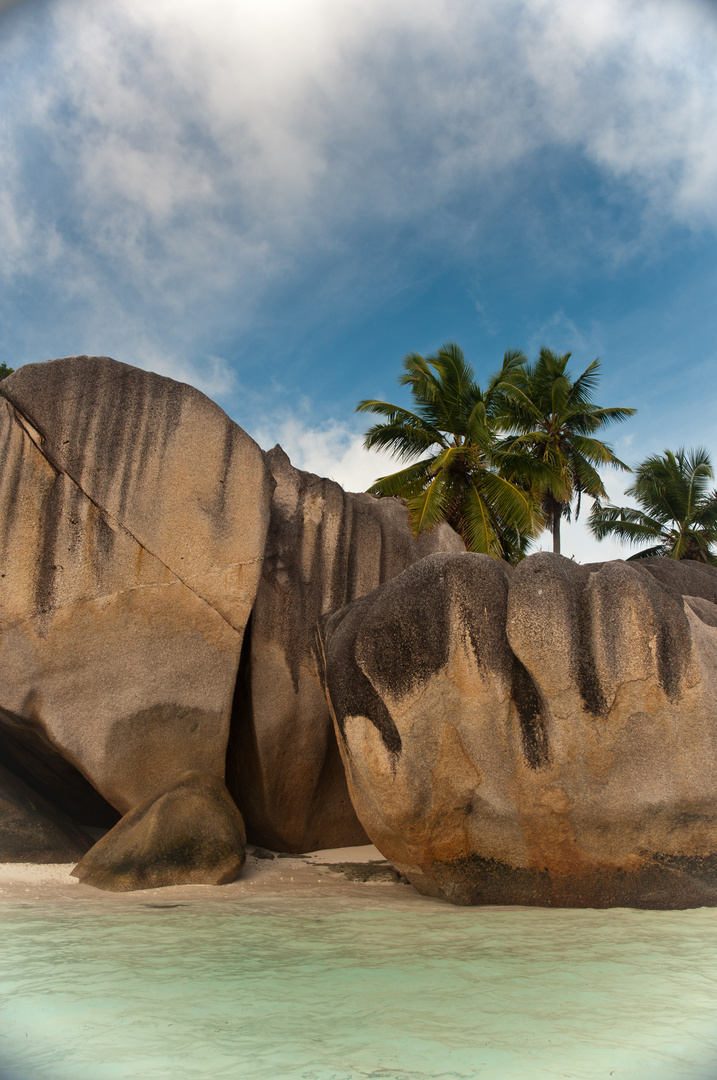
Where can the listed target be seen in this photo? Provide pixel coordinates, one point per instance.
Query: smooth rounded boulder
(543, 735)
(191, 834)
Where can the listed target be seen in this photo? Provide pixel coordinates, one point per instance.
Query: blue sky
(275, 200)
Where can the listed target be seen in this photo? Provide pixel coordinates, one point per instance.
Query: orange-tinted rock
(325, 547)
(545, 736)
(191, 834)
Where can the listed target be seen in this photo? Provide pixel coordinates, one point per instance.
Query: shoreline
(356, 873)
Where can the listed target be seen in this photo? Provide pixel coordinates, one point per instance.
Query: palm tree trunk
(557, 514)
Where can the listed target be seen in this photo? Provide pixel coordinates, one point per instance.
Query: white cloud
(276, 88)
(566, 336)
(201, 150)
(333, 449)
(194, 103)
(213, 376)
(634, 83)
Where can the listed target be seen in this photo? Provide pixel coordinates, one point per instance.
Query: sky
(276, 200)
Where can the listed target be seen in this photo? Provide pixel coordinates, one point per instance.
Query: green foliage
(5, 371)
(500, 463)
(554, 420)
(678, 508)
(462, 476)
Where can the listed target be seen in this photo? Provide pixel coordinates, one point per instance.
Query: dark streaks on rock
(586, 672)
(660, 883)
(325, 548)
(674, 646)
(351, 694)
(531, 712)
(569, 813)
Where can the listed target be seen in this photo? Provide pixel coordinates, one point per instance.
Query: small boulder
(191, 834)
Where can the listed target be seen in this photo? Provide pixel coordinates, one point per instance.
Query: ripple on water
(308, 990)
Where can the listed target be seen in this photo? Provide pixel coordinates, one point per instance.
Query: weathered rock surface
(547, 736)
(325, 547)
(191, 834)
(687, 578)
(133, 518)
(31, 830)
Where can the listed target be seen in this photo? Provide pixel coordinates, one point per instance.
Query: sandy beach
(355, 872)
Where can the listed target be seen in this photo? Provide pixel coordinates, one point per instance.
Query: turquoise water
(309, 990)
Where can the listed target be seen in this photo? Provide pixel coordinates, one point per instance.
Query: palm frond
(405, 482)
(478, 527)
(584, 387)
(624, 523)
(429, 506)
(586, 479)
(649, 553)
(403, 441)
(512, 503)
(613, 415)
(597, 452)
(526, 471)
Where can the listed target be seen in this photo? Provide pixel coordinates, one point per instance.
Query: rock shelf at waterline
(187, 622)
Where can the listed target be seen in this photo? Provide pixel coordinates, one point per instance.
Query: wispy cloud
(161, 158)
(563, 334)
(333, 448)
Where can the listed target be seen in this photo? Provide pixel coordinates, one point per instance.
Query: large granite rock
(542, 736)
(31, 830)
(325, 547)
(133, 517)
(191, 834)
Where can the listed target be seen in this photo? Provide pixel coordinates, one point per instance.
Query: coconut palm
(677, 508)
(553, 419)
(461, 476)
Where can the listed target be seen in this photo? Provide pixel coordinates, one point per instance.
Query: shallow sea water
(326, 990)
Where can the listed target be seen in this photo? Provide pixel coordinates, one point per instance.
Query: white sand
(305, 875)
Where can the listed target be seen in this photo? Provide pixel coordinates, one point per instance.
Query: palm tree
(678, 509)
(461, 475)
(553, 420)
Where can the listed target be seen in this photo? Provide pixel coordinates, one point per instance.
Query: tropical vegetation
(677, 513)
(462, 475)
(555, 421)
(497, 463)
(5, 371)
